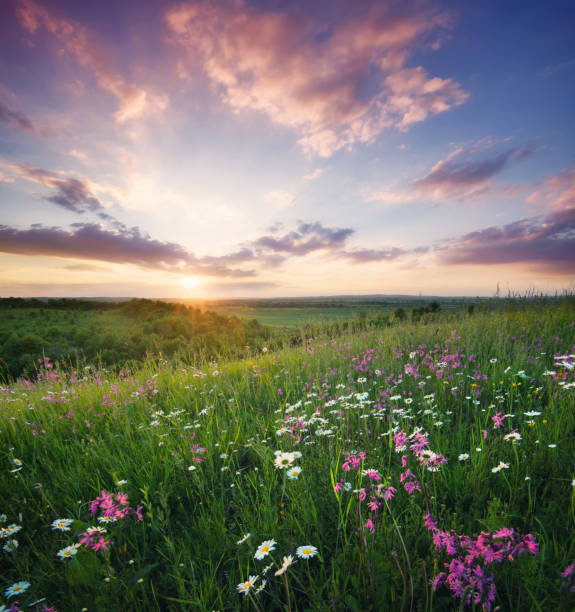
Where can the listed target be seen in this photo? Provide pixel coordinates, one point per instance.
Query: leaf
(84, 568)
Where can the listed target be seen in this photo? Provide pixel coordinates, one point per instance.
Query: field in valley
(425, 465)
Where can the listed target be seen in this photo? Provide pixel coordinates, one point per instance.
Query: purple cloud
(307, 238)
(126, 246)
(450, 179)
(544, 242)
(17, 119)
(371, 255)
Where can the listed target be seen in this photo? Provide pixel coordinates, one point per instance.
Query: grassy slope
(142, 428)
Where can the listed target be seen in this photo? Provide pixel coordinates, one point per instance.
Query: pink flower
(102, 544)
(498, 419)
(370, 525)
(568, 570)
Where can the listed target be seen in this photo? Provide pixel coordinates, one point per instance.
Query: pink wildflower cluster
(466, 576)
(93, 538)
(569, 572)
(198, 453)
(114, 507)
(353, 462)
(498, 419)
(418, 445)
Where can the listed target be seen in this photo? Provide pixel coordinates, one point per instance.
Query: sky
(251, 148)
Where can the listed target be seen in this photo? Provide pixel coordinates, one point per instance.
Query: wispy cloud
(337, 83)
(462, 180)
(465, 174)
(72, 193)
(546, 243)
(311, 176)
(77, 41)
(556, 191)
(17, 119)
(360, 256)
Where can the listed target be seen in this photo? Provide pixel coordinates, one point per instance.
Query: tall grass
(197, 448)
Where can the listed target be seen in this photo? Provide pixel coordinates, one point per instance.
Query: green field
(424, 466)
(297, 317)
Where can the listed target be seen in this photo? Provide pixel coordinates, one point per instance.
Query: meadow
(428, 465)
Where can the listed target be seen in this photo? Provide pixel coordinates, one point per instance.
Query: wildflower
(463, 457)
(68, 552)
(294, 472)
(6, 532)
(360, 397)
(501, 466)
(16, 589)
(62, 524)
(244, 587)
(287, 561)
(305, 552)
(383, 492)
(10, 546)
(570, 569)
(283, 460)
(264, 549)
(515, 436)
(243, 539)
(261, 587)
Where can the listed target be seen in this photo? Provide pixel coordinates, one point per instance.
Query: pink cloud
(557, 192)
(546, 243)
(335, 86)
(77, 41)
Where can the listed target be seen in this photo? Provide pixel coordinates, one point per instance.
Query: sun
(191, 282)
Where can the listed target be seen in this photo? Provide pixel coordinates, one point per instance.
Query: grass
(296, 317)
(196, 448)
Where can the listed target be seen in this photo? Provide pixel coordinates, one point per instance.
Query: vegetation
(81, 331)
(348, 473)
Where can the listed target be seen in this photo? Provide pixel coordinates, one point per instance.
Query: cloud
(547, 243)
(85, 268)
(307, 238)
(336, 81)
(311, 176)
(17, 119)
(76, 41)
(73, 194)
(93, 242)
(372, 255)
(556, 192)
(461, 176)
(462, 180)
